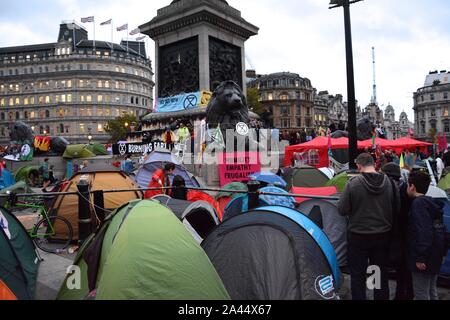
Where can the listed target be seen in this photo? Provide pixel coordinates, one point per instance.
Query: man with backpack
(426, 237)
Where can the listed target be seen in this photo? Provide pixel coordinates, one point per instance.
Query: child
(426, 235)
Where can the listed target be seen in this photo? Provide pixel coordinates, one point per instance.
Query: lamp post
(352, 134)
(89, 135)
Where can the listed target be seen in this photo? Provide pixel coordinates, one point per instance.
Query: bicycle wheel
(49, 241)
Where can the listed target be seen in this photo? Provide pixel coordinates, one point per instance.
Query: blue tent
(6, 179)
(269, 178)
(445, 271)
(240, 204)
(157, 160)
(274, 253)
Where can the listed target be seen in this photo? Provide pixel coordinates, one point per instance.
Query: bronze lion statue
(227, 107)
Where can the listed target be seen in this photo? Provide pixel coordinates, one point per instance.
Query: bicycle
(44, 232)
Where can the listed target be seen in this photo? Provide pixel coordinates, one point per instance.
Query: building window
(299, 122)
(99, 98)
(433, 112)
(270, 96)
(432, 97)
(89, 98)
(445, 112)
(447, 127)
(17, 115)
(47, 113)
(82, 129)
(100, 127)
(107, 84)
(2, 102)
(285, 111)
(285, 123)
(284, 97)
(445, 95)
(100, 84)
(69, 98)
(17, 101)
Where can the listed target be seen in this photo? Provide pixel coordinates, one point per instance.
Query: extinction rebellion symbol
(122, 149)
(190, 101)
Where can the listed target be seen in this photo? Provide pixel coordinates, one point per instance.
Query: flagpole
(94, 34)
(112, 37)
(127, 38)
(73, 36)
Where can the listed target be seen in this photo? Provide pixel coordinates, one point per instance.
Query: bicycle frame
(43, 214)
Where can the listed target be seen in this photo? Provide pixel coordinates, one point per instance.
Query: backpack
(440, 232)
(41, 170)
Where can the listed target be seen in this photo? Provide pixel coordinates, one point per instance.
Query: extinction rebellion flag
(87, 19)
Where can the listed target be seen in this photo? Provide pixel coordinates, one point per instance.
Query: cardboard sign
(236, 167)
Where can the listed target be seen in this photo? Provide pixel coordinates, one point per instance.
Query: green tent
(339, 181)
(77, 151)
(19, 187)
(304, 177)
(19, 263)
(444, 183)
(26, 172)
(143, 252)
(97, 149)
(234, 186)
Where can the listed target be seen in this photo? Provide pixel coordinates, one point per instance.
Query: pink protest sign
(236, 167)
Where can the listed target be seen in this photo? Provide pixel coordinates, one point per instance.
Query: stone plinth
(199, 43)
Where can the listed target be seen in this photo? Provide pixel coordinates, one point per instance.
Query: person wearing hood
(369, 201)
(426, 237)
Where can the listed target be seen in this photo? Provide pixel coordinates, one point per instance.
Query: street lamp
(352, 134)
(89, 135)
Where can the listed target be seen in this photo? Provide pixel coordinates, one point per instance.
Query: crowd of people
(392, 223)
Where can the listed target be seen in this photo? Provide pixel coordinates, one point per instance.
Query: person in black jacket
(399, 243)
(446, 159)
(426, 237)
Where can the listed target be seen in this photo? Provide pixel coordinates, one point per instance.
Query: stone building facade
(71, 88)
(289, 98)
(432, 106)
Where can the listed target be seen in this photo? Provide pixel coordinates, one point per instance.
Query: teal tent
(19, 262)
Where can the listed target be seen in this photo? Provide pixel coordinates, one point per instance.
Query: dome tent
(199, 217)
(161, 259)
(19, 262)
(155, 161)
(332, 223)
(273, 253)
(100, 177)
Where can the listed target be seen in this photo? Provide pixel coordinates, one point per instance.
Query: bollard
(99, 202)
(253, 198)
(84, 212)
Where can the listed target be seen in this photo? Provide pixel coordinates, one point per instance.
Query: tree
(432, 134)
(119, 127)
(253, 101)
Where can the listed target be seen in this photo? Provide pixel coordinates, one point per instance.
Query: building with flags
(68, 89)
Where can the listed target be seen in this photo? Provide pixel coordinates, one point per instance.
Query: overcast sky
(411, 37)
